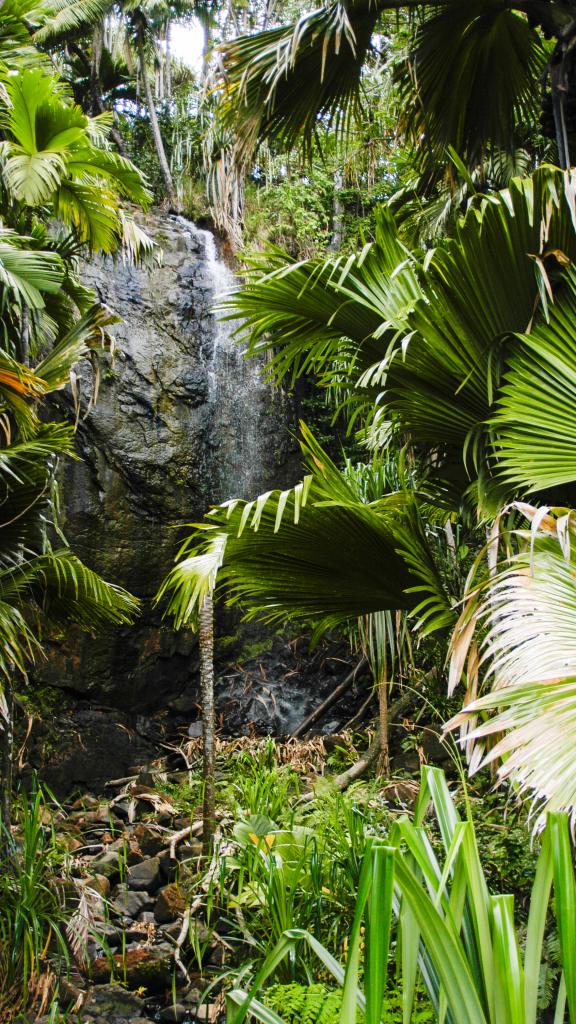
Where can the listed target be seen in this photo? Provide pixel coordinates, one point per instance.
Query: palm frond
(314, 552)
(528, 720)
(89, 333)
(473, 77)
(89, 164)
(536, 412)
(26, 468)
(28, 273)
(279, 83)
(63, 17)
(92, 211)
(306, 315)
(67, 591)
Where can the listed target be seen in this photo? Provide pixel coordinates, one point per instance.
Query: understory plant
(452, 935)
(32, 917)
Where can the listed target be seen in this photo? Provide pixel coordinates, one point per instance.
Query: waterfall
(240, 401)
(182, 422)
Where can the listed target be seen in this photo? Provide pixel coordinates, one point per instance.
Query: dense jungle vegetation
(393, 182)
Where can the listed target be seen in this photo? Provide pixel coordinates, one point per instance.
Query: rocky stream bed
(134, 931)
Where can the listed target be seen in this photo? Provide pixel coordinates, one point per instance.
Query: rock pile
(137, 928)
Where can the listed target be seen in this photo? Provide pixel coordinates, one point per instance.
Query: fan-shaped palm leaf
(88, 163)
(315, 552)
(278, 83)
(67, 591)
(25, 473)
(63, 17)
(529, 608)
(87, 334)
(536, 411)
(301, 312)
(28, 273)
(474, 76)
(92, 211)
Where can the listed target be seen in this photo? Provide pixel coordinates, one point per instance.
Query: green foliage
(31, 913)
(293, 213)
(452, 932)
(319, 1004)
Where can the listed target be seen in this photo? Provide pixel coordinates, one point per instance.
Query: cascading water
(240, 400)
(183, 421)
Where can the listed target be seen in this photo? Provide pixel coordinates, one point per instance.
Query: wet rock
(176, 1012)
(149, 969)
(170, 904)
(99, 883)
(167, 438)
(145, 875)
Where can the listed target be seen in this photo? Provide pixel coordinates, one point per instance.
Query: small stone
(145, 875)
(169, 904)
(71, 843)
(175, 1012)
(149, 841)
(189, 851)
(168, 866)
(99, 883)
(124, 809)
(172, 930)
(87, 800)
(208, 1012)
(192, 998)
(127, 903)
(108, 864)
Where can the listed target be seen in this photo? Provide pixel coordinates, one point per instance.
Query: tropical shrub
(452, 933)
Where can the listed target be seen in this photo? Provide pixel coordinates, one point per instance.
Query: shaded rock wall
(182, 421)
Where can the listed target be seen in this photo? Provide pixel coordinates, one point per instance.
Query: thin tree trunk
(97, 98)
(558, 81)
(384, 758)
(206, 641)
(97, 47)
(6, 758)
(168, 57)
(164, 167)
(337, 216)
(24, 354)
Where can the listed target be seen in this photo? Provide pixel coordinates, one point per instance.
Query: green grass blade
(444, 950)
(378, 921)
(565, 903)
(539, 903)
(508, 969)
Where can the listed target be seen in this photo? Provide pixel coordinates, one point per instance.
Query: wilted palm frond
(529, 651)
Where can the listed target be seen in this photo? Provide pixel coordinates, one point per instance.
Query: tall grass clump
(31, 912)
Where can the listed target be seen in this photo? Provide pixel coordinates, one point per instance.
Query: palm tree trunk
(206, 640)
(164, 167)
(6, 759)
(559, 85)
(384, 758)
(337, 236)
(97, 47)
(168, 58)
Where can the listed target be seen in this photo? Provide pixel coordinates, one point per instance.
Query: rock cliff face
(182, 421)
